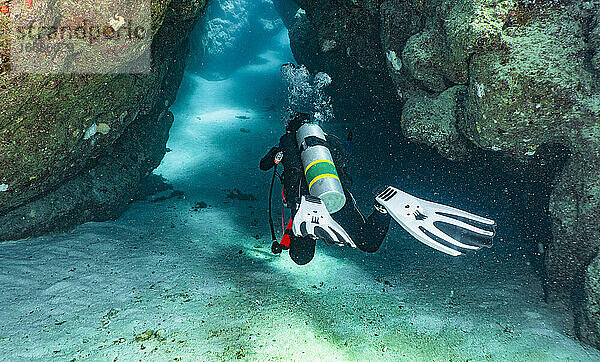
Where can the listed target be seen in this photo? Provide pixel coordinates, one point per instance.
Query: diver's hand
(272, 158)
(276, 248)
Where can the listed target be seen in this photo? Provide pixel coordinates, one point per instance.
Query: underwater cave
(461, 137)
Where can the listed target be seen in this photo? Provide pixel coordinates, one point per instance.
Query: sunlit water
(165, 281)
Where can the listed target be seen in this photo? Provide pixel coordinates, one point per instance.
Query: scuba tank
(320, 172)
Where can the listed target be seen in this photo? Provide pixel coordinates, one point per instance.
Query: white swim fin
(444, 228)
(313, 219)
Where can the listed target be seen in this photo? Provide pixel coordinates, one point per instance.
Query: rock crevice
(528, 73)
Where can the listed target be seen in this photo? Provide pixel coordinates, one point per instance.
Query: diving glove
(444, 228)
(313, 219)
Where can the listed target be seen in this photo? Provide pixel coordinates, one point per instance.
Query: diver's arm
(270, 159)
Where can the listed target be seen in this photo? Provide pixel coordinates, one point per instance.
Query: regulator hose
(273, 237)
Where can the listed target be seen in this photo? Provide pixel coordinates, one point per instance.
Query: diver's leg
(371, 234)
(367, 233)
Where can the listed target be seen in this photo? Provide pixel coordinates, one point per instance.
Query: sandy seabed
(168, 281)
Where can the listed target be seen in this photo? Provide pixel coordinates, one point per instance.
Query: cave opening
(233, 84)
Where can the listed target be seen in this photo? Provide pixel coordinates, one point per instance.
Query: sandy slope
(206, 287)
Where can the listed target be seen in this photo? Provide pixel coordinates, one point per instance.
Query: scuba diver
(313, 190)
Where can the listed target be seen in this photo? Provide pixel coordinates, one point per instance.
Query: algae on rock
(433, 121)
(75, 146)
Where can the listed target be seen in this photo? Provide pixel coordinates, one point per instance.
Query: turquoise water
(169, 281)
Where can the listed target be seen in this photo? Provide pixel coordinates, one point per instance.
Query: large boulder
(530, 70)
(74, 147)
(433, 120)
(531, 85)
(589, 314)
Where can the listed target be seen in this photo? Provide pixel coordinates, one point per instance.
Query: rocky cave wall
(519, 77)
(76, 147)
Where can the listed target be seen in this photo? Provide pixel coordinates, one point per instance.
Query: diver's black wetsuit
(367, 234)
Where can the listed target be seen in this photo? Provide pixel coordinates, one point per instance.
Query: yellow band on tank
(314, 163)
(325, 175)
